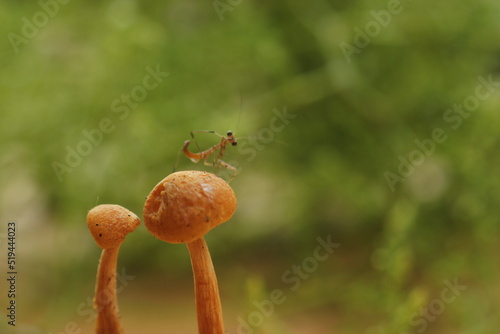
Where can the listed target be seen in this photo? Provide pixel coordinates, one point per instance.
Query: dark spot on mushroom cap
(100, 234)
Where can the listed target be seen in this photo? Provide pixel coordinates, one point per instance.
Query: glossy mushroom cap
(110, 223)
(185, 205)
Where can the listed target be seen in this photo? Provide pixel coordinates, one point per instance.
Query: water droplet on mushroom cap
(110, 223)
(185, 205)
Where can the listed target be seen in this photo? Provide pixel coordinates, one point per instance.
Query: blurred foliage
(322, 173)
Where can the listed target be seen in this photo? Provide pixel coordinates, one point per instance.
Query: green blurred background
(321, 173)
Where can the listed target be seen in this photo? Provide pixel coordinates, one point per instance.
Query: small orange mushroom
(109, 224)
(182, 208)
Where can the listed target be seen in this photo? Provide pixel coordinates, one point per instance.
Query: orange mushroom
(109, 224)
(182, 208)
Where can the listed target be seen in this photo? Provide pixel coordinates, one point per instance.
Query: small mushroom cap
(185, 205)
(110, 223)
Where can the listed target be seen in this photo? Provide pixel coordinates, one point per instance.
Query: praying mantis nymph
(205, 155)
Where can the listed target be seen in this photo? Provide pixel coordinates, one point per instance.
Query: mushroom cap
(110, 223)
(185, 205)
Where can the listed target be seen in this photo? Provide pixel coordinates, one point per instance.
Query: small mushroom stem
(108, 319)
(208, 305)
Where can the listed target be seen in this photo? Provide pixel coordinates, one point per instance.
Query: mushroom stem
(108, 319)
(208, 305)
